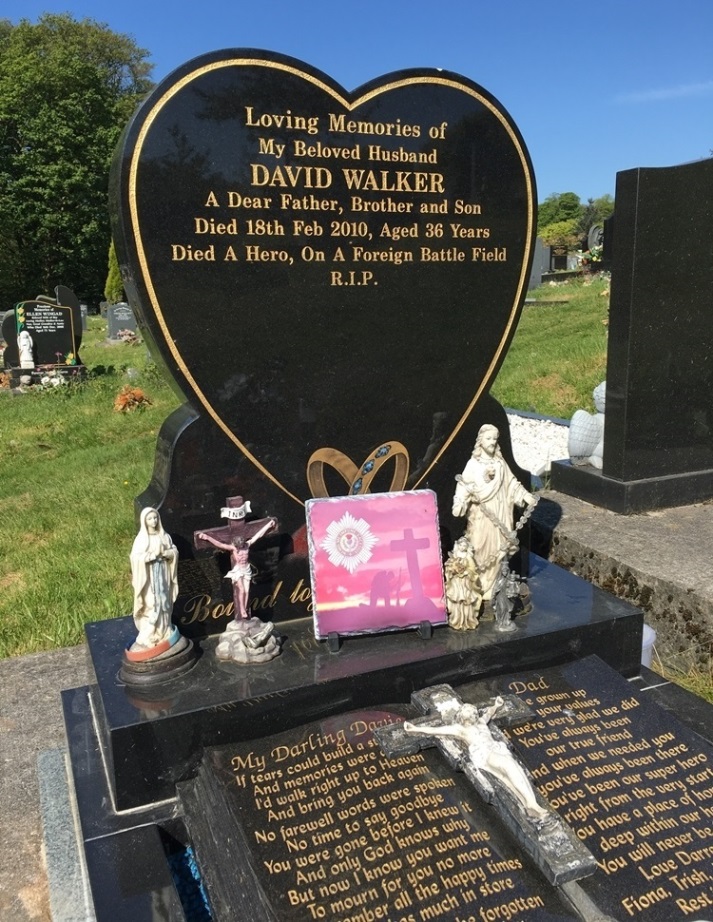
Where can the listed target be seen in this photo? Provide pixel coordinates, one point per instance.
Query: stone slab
(153, 738)
(659, 561)
(70, 899)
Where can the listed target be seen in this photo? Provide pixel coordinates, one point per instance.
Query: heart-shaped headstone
(324, 269)
(332, 278)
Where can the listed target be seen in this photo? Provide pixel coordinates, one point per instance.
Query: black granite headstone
(322, 273)
(658, 435)
(51, 327)
(55, 325)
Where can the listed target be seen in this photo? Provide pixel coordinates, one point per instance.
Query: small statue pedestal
(248, 641)
(167, 660)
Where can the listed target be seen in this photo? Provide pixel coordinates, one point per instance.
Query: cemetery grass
(558, 355)
(72, 465)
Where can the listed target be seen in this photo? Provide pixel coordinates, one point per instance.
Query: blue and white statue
(154, 577)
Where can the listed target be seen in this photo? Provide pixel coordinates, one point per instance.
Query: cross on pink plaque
(375, 562)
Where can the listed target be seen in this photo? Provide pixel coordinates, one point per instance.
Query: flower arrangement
(592, 256)
(129, 337)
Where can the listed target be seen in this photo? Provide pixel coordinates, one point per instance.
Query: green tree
(561, 233)
(67, 88)
(114, 287)
(596, 211)
(560, 206)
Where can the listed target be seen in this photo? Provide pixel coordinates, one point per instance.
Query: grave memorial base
(314, 819)
(628, 497)
(269, 776)
(130, 748)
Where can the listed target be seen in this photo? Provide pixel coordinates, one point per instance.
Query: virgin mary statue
(154, 566)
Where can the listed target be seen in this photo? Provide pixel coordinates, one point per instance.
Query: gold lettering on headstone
(349, 834)
(640, 804)
(304, 179)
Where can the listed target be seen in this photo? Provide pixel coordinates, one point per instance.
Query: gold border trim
(330, 91)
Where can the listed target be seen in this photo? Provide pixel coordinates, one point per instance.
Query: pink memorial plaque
(375, 562)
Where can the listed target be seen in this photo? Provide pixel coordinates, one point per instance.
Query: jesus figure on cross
(466, 723)
(238, 545)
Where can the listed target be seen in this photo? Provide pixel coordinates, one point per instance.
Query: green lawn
(558, 354)
(72, 466)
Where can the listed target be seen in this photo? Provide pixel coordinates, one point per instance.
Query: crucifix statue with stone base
(236, 538)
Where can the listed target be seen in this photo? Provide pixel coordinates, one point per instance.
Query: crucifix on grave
(236, 538)
(472, 742)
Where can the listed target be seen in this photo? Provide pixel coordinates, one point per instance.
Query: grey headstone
(120, 317)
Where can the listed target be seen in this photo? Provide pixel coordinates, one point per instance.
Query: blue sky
(594, 87)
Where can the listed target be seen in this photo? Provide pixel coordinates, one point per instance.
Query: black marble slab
(658, 435)
(152, 740)
(125, 851)
(634, 782)
(136, 882)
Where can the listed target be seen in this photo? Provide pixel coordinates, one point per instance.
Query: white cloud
(683, 91)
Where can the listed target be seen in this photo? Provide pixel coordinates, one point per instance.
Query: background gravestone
(658, 435)
(120, 317)
(346, 272)
(55, 325)
(558, 258)
(65, 296)
(540, 264)
(52, 329)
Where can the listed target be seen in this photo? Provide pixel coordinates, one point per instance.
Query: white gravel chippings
(536, 442)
